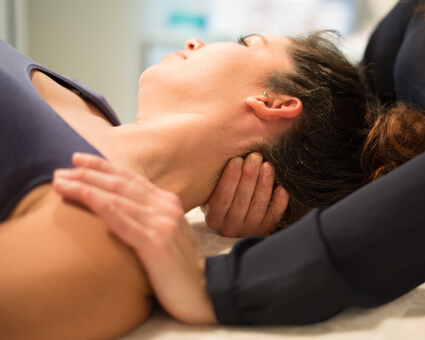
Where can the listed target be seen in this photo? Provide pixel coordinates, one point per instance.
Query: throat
(173, 161)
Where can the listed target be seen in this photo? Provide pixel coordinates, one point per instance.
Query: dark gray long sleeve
(364, 251)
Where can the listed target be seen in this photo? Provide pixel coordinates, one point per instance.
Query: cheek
(220, 65)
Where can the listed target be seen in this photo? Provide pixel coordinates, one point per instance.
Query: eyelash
(242, 41)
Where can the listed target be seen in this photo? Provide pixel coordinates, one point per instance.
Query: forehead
(275, 46)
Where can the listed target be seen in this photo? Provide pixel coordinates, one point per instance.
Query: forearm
(377, 236)
(287, 278)
(364, 251)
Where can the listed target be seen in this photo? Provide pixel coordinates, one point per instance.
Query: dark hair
(319, 159)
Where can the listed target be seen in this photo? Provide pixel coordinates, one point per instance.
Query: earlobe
(273, 107)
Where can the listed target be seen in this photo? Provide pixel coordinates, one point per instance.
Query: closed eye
(242, 41)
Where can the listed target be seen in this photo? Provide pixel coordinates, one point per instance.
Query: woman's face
(213, 80)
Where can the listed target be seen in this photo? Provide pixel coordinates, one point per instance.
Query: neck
(175, 151)
(174, 156)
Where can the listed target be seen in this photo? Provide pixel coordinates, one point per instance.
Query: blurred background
(106, 44)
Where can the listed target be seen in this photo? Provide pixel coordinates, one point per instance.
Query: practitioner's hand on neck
(243, 202)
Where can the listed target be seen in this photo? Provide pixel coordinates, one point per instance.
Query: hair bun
(397, 135)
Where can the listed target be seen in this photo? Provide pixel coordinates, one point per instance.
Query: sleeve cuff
(220, 272)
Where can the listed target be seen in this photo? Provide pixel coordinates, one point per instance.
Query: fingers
(239, 205)
(245, 190)
(276, 209)
(248, 207)
(110, 207)
(139, 190)
(221, 199)
(127, 219)
(102, 174)
(260, 200)
(85, 160)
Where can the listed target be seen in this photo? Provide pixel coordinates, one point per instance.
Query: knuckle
(126, 173)
(229, 231)
(278, 210)
(212, 222)
(104, 205)
(116, 184)
(95, 162)
(232, 175)
(176, 213)
(174, 203)
(267, 185)
(86, 194)
(116, 201)
(275, 216)
(169, 225)
(268, 226)
(258, 207)
(141, 183)
(172, 206)
(126, 229)
(224, 200)
(241, 201)
(175, 200)
(250, 173)
(80, 173)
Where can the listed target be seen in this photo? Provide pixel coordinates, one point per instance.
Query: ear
(275, 106)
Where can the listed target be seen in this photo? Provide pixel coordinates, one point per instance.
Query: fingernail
(76, 155)
(62, 173)
(266, 169)
(79, 156)
(256, 159)
(237, 162)
(281, 191)
(59, 183)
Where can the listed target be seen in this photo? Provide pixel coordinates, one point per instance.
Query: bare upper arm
(63, 275)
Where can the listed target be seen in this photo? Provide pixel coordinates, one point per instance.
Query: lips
(181, 54)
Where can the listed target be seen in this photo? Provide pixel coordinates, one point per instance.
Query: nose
(193, 44)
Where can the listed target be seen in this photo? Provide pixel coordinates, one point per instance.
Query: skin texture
(212, 90)
(64, 253)
(202, 115)
(152, 223)
(64, 277)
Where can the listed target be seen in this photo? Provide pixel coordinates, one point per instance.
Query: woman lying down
(296, 100)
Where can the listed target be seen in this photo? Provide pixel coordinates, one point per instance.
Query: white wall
(13, 19)
(3, 20)
(95, 41)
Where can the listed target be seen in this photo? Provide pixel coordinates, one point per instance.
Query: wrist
(199, 308)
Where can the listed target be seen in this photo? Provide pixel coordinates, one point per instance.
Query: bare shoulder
(63, 273)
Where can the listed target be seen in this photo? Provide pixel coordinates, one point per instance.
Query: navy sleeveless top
(34, 140)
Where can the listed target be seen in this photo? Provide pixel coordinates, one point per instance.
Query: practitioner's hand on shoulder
(243, 202)
(152, 222)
